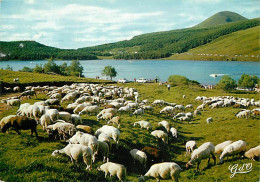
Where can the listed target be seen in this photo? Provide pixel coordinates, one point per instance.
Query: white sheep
(196, 112)
(160, 134)
(201, 107)
(221, 146)
(56, 96)
(76, 119)
(237, 147)
(105, 138)
(144, 124)
(125, 109)
(115, 120)
(65, 130)
(190, 146)
(12, 102)
(169, 110)
(253, 152)
(103, 150)
(158, 102)
(189, 106)
(139, 156)
(139, 111)
(209, 120)
(109, 110)
(66, 116)
(180, 107)
(53, 113)
(90, 109)
(5, 120)
(165, 124)
(85, 139)
(181, 114)
(69, 97)
(80, 107)
(164, 170)
(174, 132)
(45, 120)
(106, 116)
(23, 109)
(75, 152)
(147, 108)
(203, 152)
(113, 169)
(110, 131)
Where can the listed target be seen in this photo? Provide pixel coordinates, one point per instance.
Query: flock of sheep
(65, 123)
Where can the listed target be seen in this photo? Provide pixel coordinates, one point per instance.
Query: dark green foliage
(31, 50)
(109, 71)
(227, 83)
(247, 81)
(38, 69)
(9, 68)
(27, 69)
(181, 80)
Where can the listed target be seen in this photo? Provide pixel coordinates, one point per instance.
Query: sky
(82, 23)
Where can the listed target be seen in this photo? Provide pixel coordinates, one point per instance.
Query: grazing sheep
(160, 134)
(158, 102)
(253, 153)
(169, 110)
(115, 120)
(203, 152)
(80, 107)
(16, 89)
(139, 156)
(105, 138)
(237, 147)
(165, 124)
(66, 116)
(113, 169)
(86, 139)
(5, 120)
(139, 111)
(197, 112)
(103, 150)
(201, 107)
(53, 113)
(221, 146)
(85, 128)
(244, 114)
(180, 107)
(189, 106)
(190, 146)
(106, 116)
(57, 96)
(144, 124)
(11, 102)
(126, 109)
(110, 131)
(181, 114)
(174, 132)
(75, 152)
(164, 170)
(21, 123)
(108, 110)
(209, 120)
(76, 119)
(89, 110)
(45, 120)
(23, 109)
(55, 102)
(147, 108)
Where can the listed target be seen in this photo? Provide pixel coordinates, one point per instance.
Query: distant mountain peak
(221, 18)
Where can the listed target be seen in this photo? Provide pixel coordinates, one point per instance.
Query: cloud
(40, 35)
(47, 25)
(7, 27)
(29, 1)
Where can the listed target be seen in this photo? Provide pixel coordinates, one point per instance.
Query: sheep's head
(141, 178)
(188, 164)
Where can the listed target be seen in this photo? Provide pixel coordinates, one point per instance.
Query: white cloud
(47, 25)
(40, 35)
(7, 27)
(29, 1)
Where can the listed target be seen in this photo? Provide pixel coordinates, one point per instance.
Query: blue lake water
(130, 69)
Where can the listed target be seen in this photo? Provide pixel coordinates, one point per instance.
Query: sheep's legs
(198, 166)
(214, 158)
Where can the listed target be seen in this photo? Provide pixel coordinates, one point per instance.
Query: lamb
(164, 170)
(21, 122)
(103, 150)
(113, 169)
(139, 156)
(90, 109)
(86, 139)
(174, 132)
(221, 146)
(203, 152)
(237, 147)
(165, 124)
(144, 124)
(209, 120)
(66, 116)
(75, 152)
(115, 120)
(110, 131)
(190, 146)
(169, 110)
(76, 119)
(253, 153)
(138, 112)
(160, 134)
(11, 102)
(85, 128)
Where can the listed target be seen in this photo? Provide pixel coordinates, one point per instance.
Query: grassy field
(25, 158)
(244, 42)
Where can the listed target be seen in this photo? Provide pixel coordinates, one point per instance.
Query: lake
(150, 69)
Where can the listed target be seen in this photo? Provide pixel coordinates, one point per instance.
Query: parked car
(142, 80)
(123, 80)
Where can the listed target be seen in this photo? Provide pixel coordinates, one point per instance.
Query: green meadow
(26, 158)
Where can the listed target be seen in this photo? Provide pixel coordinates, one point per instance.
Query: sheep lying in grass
(21, 123)
(115, 120)
(253, 153)
(237, 147)
(75, 152)
(160, 134)
(190, 146)
(165, 124)
(203, 152)
(164, 170)
(144, 124)
(220, 147)
(113, 169)
(139, 156)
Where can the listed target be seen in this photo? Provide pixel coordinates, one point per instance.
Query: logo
(237, 169)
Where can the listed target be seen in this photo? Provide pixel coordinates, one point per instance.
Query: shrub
(227, 83)
(178, 80)
(247, 81)
(26, 69)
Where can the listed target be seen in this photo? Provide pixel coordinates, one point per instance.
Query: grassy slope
(244, 42)
(221, 18)
(23, 158)
(24, 77)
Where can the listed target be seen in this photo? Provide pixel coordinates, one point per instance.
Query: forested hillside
(31, 50)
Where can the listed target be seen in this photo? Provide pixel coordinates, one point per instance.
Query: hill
(221, 18)
(31, 50)
(241, 46)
